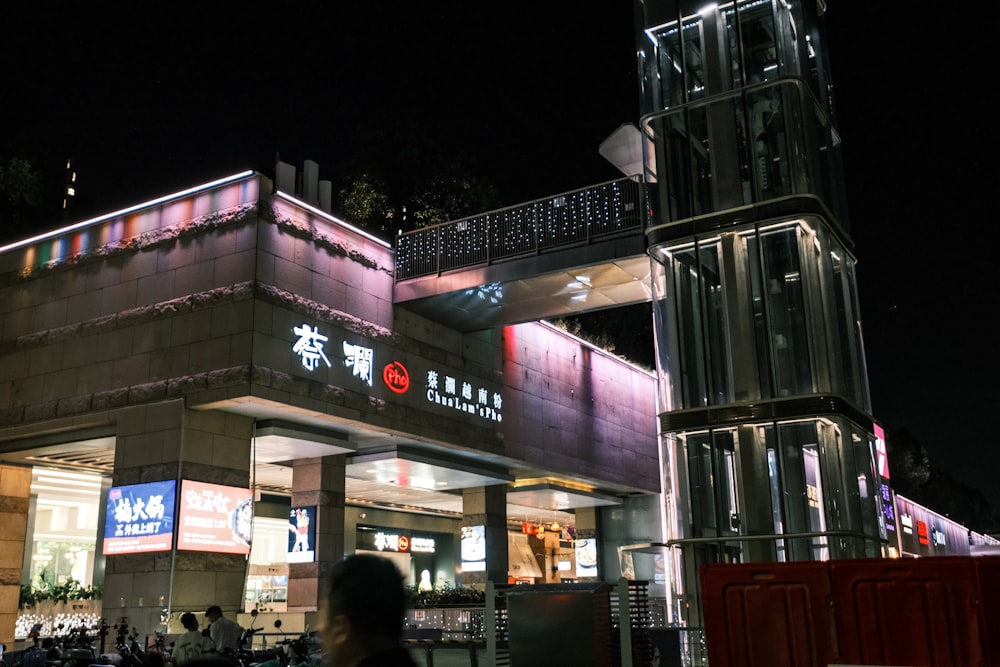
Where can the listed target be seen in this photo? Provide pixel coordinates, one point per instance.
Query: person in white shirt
(225, 632)
(191, 645)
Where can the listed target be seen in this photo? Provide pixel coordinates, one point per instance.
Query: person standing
(224, 632)
(361, 617)
(192, 644)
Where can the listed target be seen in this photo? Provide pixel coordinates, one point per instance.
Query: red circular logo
(403, 543)
(396, 377)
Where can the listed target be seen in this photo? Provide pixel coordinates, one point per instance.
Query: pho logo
(396, 377)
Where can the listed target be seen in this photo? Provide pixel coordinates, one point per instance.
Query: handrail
(574, 217)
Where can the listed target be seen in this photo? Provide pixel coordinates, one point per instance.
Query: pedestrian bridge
(575, 252)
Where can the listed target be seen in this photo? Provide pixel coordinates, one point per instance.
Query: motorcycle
(301, 650)
(73, 649)
(245, 655)
(128, 645)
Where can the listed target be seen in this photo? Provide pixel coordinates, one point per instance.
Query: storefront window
(267, 579)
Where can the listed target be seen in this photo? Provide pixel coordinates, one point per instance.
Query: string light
(572, 217)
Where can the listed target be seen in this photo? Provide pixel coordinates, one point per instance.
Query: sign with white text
(214, 518)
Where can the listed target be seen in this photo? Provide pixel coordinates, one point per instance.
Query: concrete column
(487, 506)
(318, 482)
(15, 488)
(168, 441)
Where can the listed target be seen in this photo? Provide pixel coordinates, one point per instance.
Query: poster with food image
(213, 517)
(586, 558)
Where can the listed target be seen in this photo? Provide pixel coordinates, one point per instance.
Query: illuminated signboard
(586, 558)
(881, 456)
(473, 548)
(396, 377)
(140, 518)
(379, 539)
(214, 518)
(888, 508)
(448, 392)
(301, 534)
(309, 347)
(442, 388)
(361, 361)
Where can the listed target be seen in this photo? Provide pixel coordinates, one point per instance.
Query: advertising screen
(301, 534)
(586, 558)
(216, 518)
(473, 548)
(140, 518)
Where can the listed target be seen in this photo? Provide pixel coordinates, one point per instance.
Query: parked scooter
(301, 650)
(128, 645)
(245, 655)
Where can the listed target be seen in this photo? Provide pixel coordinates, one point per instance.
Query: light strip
(324, 214)
(92, 484)
(66, 489)
(125, 211)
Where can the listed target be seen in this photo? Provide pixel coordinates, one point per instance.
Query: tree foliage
(915, 477)
(425, 182)
(20, 194)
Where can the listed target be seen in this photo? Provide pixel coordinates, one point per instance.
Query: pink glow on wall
(61, 244)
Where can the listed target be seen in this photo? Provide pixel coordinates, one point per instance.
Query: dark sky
(152, 100)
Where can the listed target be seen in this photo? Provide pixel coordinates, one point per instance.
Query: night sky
(151, 101)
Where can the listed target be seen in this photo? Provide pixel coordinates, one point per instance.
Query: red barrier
(921, 612)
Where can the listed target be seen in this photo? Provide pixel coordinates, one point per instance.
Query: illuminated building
(764, 411)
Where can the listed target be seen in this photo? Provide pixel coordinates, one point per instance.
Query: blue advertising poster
(301, 534)
(140, 518)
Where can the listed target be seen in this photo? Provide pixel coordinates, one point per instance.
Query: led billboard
(140, 518)
(216, 518)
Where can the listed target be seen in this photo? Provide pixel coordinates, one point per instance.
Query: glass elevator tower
(764, 411)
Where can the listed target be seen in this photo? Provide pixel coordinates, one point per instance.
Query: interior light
(708, 10)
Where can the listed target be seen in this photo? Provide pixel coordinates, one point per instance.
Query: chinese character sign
(140, 518)
(214, 518)
(449, 392)
(361, 360)
(309, 347)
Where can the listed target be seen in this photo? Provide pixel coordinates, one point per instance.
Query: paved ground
(447, 657)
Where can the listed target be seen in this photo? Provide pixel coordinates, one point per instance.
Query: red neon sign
(403, 543)
(396, 377)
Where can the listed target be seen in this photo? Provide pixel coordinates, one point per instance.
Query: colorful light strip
(125, 211)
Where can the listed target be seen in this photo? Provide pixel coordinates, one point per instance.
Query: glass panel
(770, 155)
(793, 438)
(720, 389)
(665, 339)
(671, 67)
(726, 481)
(759, 317)
(786, 312)
(760, 54)
(693, 59)
(699, 146)
(690, 377)
(703, 510)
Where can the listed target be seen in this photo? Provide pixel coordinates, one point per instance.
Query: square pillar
(319, 483)
(15, 490)
(164, 441)
(487, 506)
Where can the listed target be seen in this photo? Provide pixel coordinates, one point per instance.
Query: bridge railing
(579, 216)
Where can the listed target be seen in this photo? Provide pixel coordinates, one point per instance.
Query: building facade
(232, 339)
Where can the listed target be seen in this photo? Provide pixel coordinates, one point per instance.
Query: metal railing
(570, 218)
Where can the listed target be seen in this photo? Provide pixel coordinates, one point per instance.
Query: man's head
(213, 613)
(189, 621)
(364, 608)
